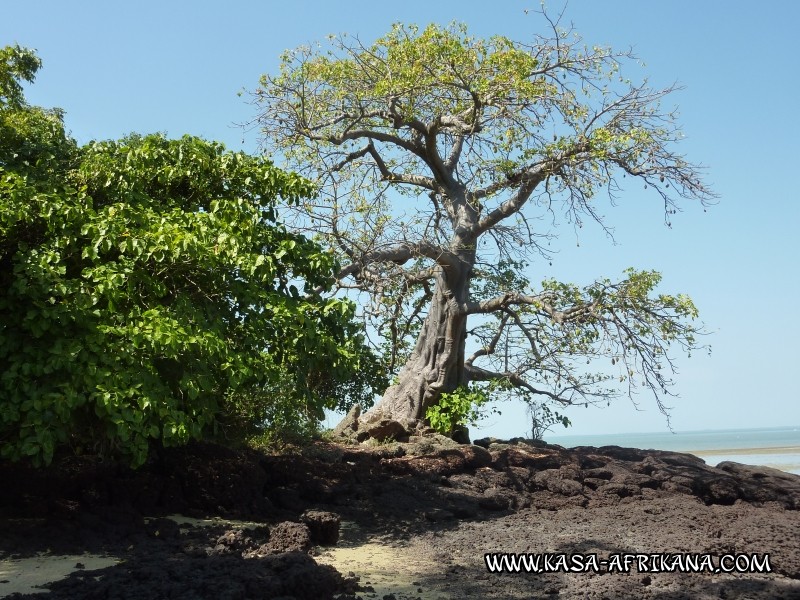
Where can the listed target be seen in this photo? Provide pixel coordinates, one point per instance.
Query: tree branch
(409, 178)
(478, 374)
(489, 349)
(359, 134)
(511, 298)
(526, 332)
(400, 254)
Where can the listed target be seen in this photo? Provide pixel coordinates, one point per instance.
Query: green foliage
(428, 69)
(17, 64)
(460, 407)
(487, 141)
(554, 102)
(270, 416)
(543, 418)
(147, 292)
(496, 279)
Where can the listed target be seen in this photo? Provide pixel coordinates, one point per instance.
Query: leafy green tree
(18, 65)
(148, 294)
(441, 158)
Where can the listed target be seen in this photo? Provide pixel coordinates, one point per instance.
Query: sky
(178, 67)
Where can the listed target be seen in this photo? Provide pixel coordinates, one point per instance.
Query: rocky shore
(432, 507)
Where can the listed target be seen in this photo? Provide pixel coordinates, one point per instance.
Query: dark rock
(763, 484)
(594, 483)
(495, 499)
(679, 459)
(240, 542)
(165, 529)
(289, 537)
(672, 486)
(519, 477)
(601, 473)
(529, 458)
(722, 490)
(323, 526)
(439, 514)
(217, 480)
(79, 505)
(464, 509)
(619, 453)
(430, 444)
(519, 441)
(593, 462)
(461, 435)
(476, 456)
(288, 499)
(485, 442)
(384, 429)
(620, 489)
(486, 478)
(554, 481)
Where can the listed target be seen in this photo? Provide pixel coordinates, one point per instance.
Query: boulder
(323, 526)
(383, 430)
(764, 484)
(289, 537)
(461, 434)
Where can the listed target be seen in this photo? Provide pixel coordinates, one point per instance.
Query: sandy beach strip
(745, 451)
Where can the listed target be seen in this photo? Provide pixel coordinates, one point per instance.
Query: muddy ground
(394, 522)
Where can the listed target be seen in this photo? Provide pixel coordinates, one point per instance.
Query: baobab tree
(442, 161)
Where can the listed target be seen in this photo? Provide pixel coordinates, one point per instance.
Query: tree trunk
(437, 363)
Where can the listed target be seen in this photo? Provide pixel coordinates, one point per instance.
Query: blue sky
(177, 67)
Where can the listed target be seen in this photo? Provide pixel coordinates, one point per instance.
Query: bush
(148, 292)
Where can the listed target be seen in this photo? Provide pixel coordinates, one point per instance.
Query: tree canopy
(443, 160)
(148, 293)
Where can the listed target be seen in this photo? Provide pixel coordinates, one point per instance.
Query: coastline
(416, 521)
(774, 447)
(783, 458)
(763, 450)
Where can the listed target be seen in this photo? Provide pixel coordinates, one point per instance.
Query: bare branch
(478, 374)
(399, 255)
(527, 332)
(499, 303)
(490, 348)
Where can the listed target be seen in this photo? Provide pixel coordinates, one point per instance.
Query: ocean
(776, 447)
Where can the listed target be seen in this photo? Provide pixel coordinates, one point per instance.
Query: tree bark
(437, 363)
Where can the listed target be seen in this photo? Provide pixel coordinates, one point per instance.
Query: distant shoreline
(740, 451)
(778, 448)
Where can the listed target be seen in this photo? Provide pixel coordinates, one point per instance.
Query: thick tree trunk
(437, 362)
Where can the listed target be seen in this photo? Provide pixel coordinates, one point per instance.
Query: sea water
(776, 447)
